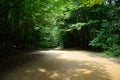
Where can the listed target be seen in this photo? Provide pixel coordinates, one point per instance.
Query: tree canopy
(90, 24)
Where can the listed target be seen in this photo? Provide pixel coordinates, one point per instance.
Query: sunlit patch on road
(61, 65)
(42, 70)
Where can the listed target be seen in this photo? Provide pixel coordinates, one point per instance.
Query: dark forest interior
(84, 24)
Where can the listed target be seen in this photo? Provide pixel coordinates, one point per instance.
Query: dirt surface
(57, 65)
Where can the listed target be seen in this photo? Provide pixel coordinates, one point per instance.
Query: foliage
(22, 20)
(108, 37)
(93, 27)
(66, 23)
(77, 26)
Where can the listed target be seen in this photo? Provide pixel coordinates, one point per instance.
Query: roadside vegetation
(85, 24)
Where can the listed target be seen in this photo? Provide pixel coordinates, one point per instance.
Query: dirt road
(58, 65)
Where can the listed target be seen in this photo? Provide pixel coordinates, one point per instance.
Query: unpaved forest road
(58, 65)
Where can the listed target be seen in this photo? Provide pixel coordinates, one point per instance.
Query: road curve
(58, 65)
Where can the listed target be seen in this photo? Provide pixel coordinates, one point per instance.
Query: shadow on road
(40, 66)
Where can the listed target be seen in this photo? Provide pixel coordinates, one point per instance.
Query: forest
(84, 24)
